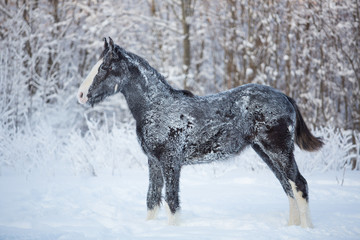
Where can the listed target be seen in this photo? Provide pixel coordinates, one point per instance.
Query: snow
(234, 204)
(57, 183)
(63, 177)
(249, 72)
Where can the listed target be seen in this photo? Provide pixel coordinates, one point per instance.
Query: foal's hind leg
(156, 184)
(283, 164)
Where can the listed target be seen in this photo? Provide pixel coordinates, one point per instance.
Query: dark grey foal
(176, 128)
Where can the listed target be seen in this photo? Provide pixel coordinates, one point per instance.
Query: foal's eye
(106, 67)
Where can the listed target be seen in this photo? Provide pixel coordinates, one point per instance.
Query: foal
(176, 128)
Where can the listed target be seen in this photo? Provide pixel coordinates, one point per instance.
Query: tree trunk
(186, 12)
(288, 51)
(231, 75)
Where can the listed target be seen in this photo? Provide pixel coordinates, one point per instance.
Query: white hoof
(152, 213)
(307, 224)
(173, 218)
(294, 216)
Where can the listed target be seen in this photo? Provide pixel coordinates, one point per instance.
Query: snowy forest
(307, 49)
(69, 171)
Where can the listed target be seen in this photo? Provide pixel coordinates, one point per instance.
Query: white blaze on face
(84, 87)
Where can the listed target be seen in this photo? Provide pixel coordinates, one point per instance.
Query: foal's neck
(144, 88)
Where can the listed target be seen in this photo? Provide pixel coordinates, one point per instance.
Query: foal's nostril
(81, 97)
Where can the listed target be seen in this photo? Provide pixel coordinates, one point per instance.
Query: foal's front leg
(172, 178)
(156, 183)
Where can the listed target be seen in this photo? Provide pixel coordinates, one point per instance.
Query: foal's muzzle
(82, 97)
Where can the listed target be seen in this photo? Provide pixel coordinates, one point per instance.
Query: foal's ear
(106, 45)
(112, 45)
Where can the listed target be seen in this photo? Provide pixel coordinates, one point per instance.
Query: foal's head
(107, 77)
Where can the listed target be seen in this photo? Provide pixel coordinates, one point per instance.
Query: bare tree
(186, 13)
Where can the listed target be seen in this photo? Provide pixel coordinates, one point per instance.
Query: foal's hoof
(307, 224)
(290, 223)
(152, 213)
(173, 218)
(302, 224)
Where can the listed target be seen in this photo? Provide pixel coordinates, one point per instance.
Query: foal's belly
(212, 146)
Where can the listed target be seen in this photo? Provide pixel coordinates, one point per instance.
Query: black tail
(303, 137)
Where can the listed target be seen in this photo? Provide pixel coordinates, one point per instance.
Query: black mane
(145, 65)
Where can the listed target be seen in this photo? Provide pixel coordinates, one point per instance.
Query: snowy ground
(235, 204)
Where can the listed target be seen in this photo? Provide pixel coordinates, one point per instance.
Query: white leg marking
(294, 215)
(303, 207)
(116, 87)
(173, 219)
(85, 85)
(152, 214)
